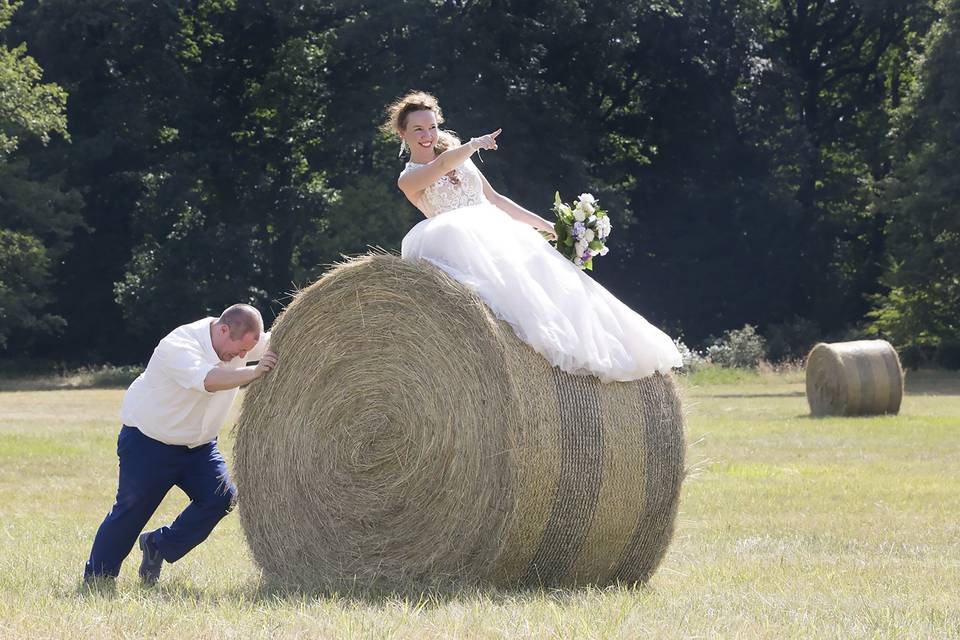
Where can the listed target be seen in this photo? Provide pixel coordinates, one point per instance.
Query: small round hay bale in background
(863, 377)
(409, 439)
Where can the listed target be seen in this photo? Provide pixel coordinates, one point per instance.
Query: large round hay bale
(854, 378)
(408, 438)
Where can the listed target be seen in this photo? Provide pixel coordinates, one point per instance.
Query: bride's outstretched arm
(416, 180)
(515, 211)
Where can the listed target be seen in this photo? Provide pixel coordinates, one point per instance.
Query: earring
(403, 147)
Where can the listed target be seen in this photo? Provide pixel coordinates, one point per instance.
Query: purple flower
(578, 230)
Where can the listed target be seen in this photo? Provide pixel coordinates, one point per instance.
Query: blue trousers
(148, 470)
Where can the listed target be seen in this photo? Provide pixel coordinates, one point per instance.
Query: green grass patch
(711, 374)
(96, 377)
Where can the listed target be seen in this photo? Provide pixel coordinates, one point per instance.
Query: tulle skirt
(560, 311)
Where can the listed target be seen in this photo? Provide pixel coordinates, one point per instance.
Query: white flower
(577, 261)
(604, 251)
(581, 246)
(579, 214)
(603, 227)
(594, 252)
(564, 209)
(587, 202)
(589, 235)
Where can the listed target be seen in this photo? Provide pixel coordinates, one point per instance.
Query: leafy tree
(921, 199)
(190, 127)
(709, 250)
(112, 57)
(37, 217)
(837, 66)
(231, 193)
(227, 151)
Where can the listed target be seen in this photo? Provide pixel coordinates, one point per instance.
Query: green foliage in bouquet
(582, 229)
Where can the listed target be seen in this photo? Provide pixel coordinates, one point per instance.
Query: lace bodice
(446, 194)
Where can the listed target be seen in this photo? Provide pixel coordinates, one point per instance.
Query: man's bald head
(242, 319)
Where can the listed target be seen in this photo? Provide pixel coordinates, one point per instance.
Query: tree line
(784, 163)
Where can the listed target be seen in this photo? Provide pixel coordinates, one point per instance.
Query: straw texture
(863, 377)
(408, 438)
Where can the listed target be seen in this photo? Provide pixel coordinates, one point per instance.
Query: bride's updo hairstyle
(400, 110)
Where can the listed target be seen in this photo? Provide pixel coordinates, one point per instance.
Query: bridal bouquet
(582, 229)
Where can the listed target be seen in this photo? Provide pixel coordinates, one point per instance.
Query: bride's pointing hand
(488, 141)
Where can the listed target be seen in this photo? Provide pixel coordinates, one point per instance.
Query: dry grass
(792, 528)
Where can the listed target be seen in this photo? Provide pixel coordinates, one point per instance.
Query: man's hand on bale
(266, 364)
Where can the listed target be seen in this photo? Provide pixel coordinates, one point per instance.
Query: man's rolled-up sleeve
(184, 363)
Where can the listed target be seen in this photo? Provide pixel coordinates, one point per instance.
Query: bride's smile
(421, 135)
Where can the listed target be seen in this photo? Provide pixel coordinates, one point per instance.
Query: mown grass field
(789, 527)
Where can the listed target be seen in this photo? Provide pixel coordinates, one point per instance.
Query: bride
(494, 246)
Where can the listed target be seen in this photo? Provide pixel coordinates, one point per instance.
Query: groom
(171, 415)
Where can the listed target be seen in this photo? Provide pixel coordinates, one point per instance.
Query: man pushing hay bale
(854, 378)
(411, 439)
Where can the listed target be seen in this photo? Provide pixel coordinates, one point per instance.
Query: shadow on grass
(97, 587)
(436, 597)
(932, 382)
(788, 394)
(265, 592)
(940, 382)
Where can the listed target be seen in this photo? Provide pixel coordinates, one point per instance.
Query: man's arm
(222, 379)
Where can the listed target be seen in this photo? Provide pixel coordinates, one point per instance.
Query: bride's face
(421, 131)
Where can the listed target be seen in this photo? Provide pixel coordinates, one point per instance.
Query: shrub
(692, 359)
(742, 348)
(107, 375)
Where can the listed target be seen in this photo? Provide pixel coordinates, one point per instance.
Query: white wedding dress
(560, 311)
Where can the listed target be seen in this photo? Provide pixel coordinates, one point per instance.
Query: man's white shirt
(167, 402)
